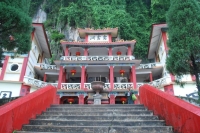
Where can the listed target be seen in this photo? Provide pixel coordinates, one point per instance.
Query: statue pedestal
(97, 86)
(97, 99)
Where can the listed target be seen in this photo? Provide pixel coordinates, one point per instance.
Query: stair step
(96, 123)
(80, 117)
(101, 113)
(94, 109)
(98, 129)
(100, 106)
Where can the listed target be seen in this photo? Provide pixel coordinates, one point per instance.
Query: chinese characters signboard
(98, 38)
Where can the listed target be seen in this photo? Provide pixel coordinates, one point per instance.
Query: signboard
(5, 94)
(98, 38)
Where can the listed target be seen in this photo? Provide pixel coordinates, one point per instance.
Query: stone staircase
(96, 119)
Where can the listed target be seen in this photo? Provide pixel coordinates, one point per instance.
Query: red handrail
(183, 116)
(18, 112)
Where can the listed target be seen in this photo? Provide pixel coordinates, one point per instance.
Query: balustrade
(149, 65)
(97, 58)
(70, 86)
(77, 86)
(47, 66)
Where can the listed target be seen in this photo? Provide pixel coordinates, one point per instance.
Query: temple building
(99, 56)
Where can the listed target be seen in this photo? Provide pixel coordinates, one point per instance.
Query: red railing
(183, 116)
(18, 112)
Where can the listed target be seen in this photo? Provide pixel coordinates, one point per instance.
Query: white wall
(187, 89)
(11, 86)
(13, 75)
(33, 57)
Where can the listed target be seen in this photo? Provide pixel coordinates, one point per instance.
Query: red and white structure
(100, 55)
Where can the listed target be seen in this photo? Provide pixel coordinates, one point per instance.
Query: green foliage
(159, 9)
(15, 25)
(133, 18)
(183, 20)
(35, 5)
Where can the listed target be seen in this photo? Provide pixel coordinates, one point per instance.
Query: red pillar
(172, 77)
(130, 76)
(60, 78)
(4, 67)
(112, 99)
(129, 51)
(66, 51)
(110, 38)
(164, 37)
(111, 78)
(45, 77)
(82, 77)
(150, 77)
(86, 38)
(81, 99)
(85, 52)
(110, 52)
(134, 77)
(169, 89)
(193, 77)
(25, 62)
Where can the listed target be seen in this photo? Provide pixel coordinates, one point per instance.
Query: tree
(183, 19)
(15, 26)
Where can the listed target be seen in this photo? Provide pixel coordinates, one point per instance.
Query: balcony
(97, 58)
(46, 66)
(77, 86)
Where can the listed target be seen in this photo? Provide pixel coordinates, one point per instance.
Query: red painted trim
(82, 77)
(32, 34)
(172, 77)
(183, 116)
(4, 67)
(45, 77)
(150, 76)
(67, 51)
(18, 112)
(152, 27)
(109, 52)
(23, 71)
(134, 77)
(129, 51)
(86, 38)
(169, 89)
(60, 77)
(81, 99)
(111, 78)
(25, 89)
(164, 37)
(85, 52)
(45, 35)
(112, 99)
(193, 77)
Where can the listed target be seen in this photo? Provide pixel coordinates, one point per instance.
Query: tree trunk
(195, 68)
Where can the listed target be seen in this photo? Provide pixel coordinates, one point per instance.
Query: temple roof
(112, 31)
(155, 39)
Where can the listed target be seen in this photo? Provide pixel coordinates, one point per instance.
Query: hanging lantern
(73, 71)
(123, 100)
(122, 72)
(119, 53)
(70, 100)
(78, 53)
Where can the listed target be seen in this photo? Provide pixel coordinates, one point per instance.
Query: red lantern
(119, 53)
(78, 53)
(123, 99)
(122, 72)
(70, 100)
(73, 71)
